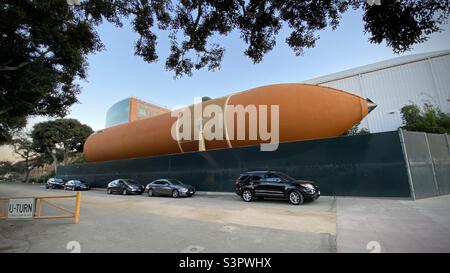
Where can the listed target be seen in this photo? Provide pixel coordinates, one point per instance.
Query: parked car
(271, 184)
(124, 186)
(77, 185)
(55, 183)
(169, 187)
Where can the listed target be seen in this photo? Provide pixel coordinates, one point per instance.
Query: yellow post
(77, 207)
(37, 213)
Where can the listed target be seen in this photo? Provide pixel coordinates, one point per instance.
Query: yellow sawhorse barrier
(46, 200)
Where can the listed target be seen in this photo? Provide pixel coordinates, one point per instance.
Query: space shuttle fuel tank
(305, 112)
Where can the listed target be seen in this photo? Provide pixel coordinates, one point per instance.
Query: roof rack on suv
(249, 172)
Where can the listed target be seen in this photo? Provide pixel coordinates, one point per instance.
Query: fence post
(408, 166)
(37, 213)
(77, 207)
(448, 143)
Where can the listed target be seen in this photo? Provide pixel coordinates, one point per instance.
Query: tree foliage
(430, 119)
(356, 131)
(6, 168)
(44, 44)
(24, 147)
(43, 49)
(61, 136)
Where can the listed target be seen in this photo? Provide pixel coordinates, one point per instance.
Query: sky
(116, 73)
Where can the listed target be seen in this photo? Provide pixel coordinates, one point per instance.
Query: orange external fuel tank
(305, 112)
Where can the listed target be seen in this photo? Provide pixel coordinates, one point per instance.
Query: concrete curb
(215, 193)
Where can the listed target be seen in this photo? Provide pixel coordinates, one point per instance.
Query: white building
(418, 79)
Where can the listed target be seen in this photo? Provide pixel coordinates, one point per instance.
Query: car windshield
(285, 176)
(131, 182)
(175, 182)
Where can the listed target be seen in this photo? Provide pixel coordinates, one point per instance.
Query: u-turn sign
(19, 208)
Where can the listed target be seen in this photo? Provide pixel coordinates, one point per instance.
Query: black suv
(271, 184)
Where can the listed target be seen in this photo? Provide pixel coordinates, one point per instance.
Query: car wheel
(150, 192)
(108, 191)
(175, 194)
(73, 189)
(46, 186)
(295, 198)
(124, 192)
(65, 188)
(247, 195)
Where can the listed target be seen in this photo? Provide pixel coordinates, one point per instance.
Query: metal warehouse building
(419, 79)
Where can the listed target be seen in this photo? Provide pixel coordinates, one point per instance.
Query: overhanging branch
(13, 68)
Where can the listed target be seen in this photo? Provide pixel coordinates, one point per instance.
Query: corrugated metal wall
(428, 158)
(391, 88)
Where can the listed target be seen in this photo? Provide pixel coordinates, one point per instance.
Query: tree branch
(242, 3)
(19, 66)
(199, 15)
(13, 68)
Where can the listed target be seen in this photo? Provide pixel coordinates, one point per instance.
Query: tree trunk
(29, 169)
(55, 159)
(55, 162)
(66, 157)
(27, 175)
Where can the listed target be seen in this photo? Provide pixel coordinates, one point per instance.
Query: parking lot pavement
(218, 222)
(393, 225)
(204, 223)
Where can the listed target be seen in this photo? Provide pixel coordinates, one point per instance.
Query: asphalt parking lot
(221, 222)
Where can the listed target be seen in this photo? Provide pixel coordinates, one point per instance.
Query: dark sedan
(77, 185)
(169, 187)
(124, 186)
(55, 183)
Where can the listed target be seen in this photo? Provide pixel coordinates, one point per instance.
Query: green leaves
(402, 24)
(66, 135)
(43, 48)
(430, 119)
(355, 131)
